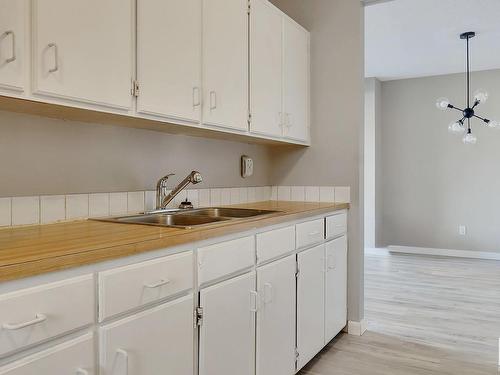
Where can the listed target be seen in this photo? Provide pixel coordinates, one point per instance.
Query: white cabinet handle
(331, 262)
(157, 284)
(56, 57)
(213, 100)
(81, 371)
(196, 97)
(39, 318)
(13, 54)
(268, 293)
(288, 122)
(124, 354)
(254, 301)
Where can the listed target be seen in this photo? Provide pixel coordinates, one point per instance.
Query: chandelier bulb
(456, 127)
(480, 96)
(469, 138)
(442, 103)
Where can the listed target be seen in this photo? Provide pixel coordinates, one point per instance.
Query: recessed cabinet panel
(158, 340)
(336, 287)
(83, 51)
(12, 44)
(72, 357)
(276, 318)
(225, 63)
(227, 335)
(310, 304)
(266, 73)
(296, 81)
(169, 58)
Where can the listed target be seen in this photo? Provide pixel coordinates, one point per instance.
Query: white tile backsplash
(77, 206)
(135, 202)
(284, 193)
(25, 210)
(326, 194)
(118, 203)
(52, 208)
(312, 193)
(48, 209)
(342, 194)
(150, 200)
(204, 198)
(98, 204)
(5, 212)
(298, 193)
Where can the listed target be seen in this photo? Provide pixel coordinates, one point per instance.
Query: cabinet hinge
(198, 316)
(297, 355)
(135, 88)
(297, 271)
(249, 6)
(249, 118)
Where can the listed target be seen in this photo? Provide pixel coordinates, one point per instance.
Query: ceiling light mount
(458, 127)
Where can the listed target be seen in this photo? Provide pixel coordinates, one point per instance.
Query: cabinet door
(12, 59)
(276, 318)
(266, 73)
(296, 81)
(169, 58)
(310, 304)
(72, 357)
(225, 63)
(336, 287)
(83, 51)
(227, 334)
(154, 341)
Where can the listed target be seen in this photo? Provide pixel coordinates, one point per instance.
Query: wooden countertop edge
(86, 257)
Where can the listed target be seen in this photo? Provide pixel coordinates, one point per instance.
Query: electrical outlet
(462, 230)
(246, 166)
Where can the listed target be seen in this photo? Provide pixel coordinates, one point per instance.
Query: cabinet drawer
(310, 233)
(128, 287)
(275, 243)
(336, 225)
(72, 357)
(32, 315)
(224, 258)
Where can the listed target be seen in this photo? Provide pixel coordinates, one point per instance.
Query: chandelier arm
(482, 119)
(476, 103)
(455, 108)
(468, 125)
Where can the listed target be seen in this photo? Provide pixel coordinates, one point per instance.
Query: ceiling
(416, 38)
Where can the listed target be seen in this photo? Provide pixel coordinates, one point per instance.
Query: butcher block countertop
(34, 250)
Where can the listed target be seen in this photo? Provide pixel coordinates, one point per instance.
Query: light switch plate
(246, 166)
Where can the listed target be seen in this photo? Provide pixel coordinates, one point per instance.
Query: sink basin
(227, 212)
(190, 218)
(178, 220)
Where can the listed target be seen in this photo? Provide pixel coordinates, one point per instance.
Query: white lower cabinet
(310, 304)
(159, 340)
(276, 318)
(227, 332)
(336, 287)
(74, 357)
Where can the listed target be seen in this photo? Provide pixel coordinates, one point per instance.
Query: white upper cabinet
(336, 287)
(159, 340)
(296, 81)
(266, 68)
(12, 43)
(169, 59)
(83, 51)
(225, 63)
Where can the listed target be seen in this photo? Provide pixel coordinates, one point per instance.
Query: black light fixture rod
(468, 75)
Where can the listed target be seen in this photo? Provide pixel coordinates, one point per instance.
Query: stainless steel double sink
(190, 218)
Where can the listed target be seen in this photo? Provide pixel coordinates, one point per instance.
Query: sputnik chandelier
(459, 127)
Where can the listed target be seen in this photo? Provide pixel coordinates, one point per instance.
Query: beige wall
(432, 181)
(48, 156)
(337, 95)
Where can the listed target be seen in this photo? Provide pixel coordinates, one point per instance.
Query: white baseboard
(445, 252)
(356, 328)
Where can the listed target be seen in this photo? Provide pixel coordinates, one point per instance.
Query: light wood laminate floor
(426, 315)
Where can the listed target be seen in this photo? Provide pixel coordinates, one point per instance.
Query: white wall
(337, 95)
(432, 181)
(372, 162)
